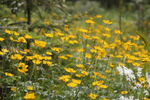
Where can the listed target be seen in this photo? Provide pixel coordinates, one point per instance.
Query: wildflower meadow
(73, 56)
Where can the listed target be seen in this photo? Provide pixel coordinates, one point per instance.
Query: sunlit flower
(118, 32)
(37, 62)
(56, 49)
(142, 79)
(70, 70)
(124, 92)
(22, 40)
(29, 96)
(9, 74)
(16, 57)
(93, 96)
(90, 21)
(22, 67)
(107, 22)
(72, 84)
(30, 88)
(14, 89)
(63, 57)
(27, 36)
(40, 44)
(65, 78)
(80, 65)
(49, 35)
(2, 39)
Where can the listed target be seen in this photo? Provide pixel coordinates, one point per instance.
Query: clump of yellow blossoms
(124, 92)
(142, 79)
(22, 40)
(93, 96)
(16, 57)
(30, 96)
(9, 74)
(22, 67)
(74, 83)
(65, 78)
(30, 88)
(40, 44)
(2, 39)
(70, 70)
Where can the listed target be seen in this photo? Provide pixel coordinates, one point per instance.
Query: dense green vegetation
(74, 50)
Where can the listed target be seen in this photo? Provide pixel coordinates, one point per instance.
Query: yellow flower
(107, 35)
(22, 19)
(146, 99)
(15, 33)
(69, 55)
(72, 41)
(22, 40)
(49, 35)
(108, 71)
(29, 96)
(37, 62)
(72, 36)
(56, 49)
(13, 89)
(93, 50)
(48, 53)
(84, 73)
(103, 86)
(30, 88)
(97, 83)
(70, 70)
(2, 53)
(93, 96)
(59, 34)
(111, 65)
(16, 57)
(79, 75)
(5, 50)
(22, 67)
(47, 58)
(88, 55)
(64, 38)
(76, 81)
(105, 99)
(136, 64)
(40, 44)
(80, 50)
(100, 75)
(48, 63)
(1, 39)
(8, 31)
(65, 78)
(118, 32)
(27, 36)
(9, 74)
(107, 22)
(66, 28)
(83, 30)
(90, 21)
(72, 85)
(12, 39)
(80, 65)
(142, 79)
(124, 92)
(98, 16)
(62, 57)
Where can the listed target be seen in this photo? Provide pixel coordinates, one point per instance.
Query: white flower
(127, 72)
(126, 98)
(139, 71)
